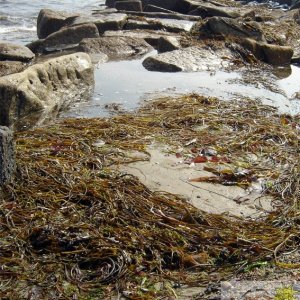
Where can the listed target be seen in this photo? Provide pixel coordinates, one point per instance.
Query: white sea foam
(17, 29)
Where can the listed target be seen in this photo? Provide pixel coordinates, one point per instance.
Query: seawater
(18, 18)
(127, 83)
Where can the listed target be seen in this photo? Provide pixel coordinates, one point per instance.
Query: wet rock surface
(191, 59)
(42, 90)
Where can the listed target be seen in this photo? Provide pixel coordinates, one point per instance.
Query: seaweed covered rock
(42, 90)
(233, 28)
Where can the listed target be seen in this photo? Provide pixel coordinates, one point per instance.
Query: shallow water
(18, 18)
(127, 84)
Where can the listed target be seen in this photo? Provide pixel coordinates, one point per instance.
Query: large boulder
(65, 38)
(234, 28)
(50, 21)
(44, 89)
(7, 155)
(115, 47)
(189, 59)
(9, 51)
(272, 54)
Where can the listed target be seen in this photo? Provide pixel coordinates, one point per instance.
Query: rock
(115, 47)
(9, 51)
(150, 36)
(295, 4)
(104, 22)
(44, 89)
(208, 10)
(163, 15)
(235, 28)
(130, 5)
(136, 24)
(65, 38)
(110, 3)
(167, 4)
(50, 21)
(7, 155)
(277, 55)
(10, 67)
(272, 54)
(153, 8)
(189, 59)
(170, 25)
(168, 43)
(295, 60)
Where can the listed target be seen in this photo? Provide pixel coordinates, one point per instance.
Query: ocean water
(18, 18)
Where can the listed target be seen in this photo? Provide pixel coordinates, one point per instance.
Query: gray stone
(167, 4)
(189, 59)
(44, 89)
(50, 21)
(115, 47)
(154, 8)
(162, 15)
(235, 28)
(10, 67)
(277, 55)
(9, 51)
(150, 36)
(170, 25)
(271, 54)
(168, 43)
(130, 5)
(104, 22)
(208, 10)
(136, 24)
(295, 4)
(65, 38)
(7, 155)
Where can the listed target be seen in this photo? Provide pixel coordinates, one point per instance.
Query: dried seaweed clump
(72, 227)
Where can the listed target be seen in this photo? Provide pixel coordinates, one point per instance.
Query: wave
(17, 28)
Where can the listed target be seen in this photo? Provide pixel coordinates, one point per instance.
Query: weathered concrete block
(7, 155)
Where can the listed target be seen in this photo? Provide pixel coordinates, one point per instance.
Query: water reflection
(127, 83)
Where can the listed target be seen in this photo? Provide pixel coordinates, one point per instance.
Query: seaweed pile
(73, 227)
